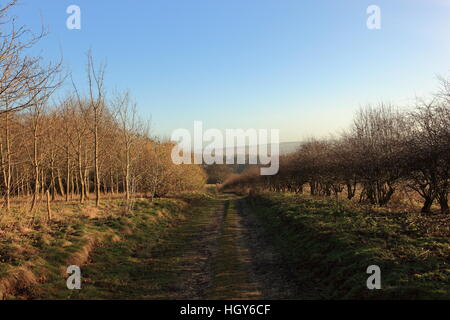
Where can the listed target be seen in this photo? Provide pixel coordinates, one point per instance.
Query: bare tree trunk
(80, 171)
(72, 186)
(87, 183)
(61, 187)
(127, 175)
(52, 177)
(67, 173)
(49, 211)
(111, 181)
(36, 168)
(6, 161)
(443, 201)
(427, 205)
(20, 186)
(43, 184)
(96, 169)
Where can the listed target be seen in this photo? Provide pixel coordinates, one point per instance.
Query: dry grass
(32, 247)
(19, 278)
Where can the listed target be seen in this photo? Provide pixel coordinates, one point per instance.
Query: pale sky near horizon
(302, 67)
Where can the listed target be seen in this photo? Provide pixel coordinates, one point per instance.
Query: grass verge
(163, 258)
(34, 257)
(332, 243)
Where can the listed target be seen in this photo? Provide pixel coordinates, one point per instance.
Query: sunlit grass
(337, 240)
(35, 251)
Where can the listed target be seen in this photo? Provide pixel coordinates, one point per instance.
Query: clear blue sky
(300, 66)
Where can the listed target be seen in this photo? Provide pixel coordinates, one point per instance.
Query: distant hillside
(284, 147)
(289, 147)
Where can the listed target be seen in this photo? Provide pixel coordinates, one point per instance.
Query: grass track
(201, 252)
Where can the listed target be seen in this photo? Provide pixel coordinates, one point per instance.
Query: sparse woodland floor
(209, 246)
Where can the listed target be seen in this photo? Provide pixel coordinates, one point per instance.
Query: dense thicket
(88, 142)
(384, 149)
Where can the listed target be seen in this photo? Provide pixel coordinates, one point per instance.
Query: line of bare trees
(383, 151)
(86, 142)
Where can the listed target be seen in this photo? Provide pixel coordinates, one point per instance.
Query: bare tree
(126, 115)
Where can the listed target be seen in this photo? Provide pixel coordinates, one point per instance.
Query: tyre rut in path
(232, 272)
(271, 271)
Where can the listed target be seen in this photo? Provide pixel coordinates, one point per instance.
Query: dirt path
(218, 252)
(273, 273)
(232, 272)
